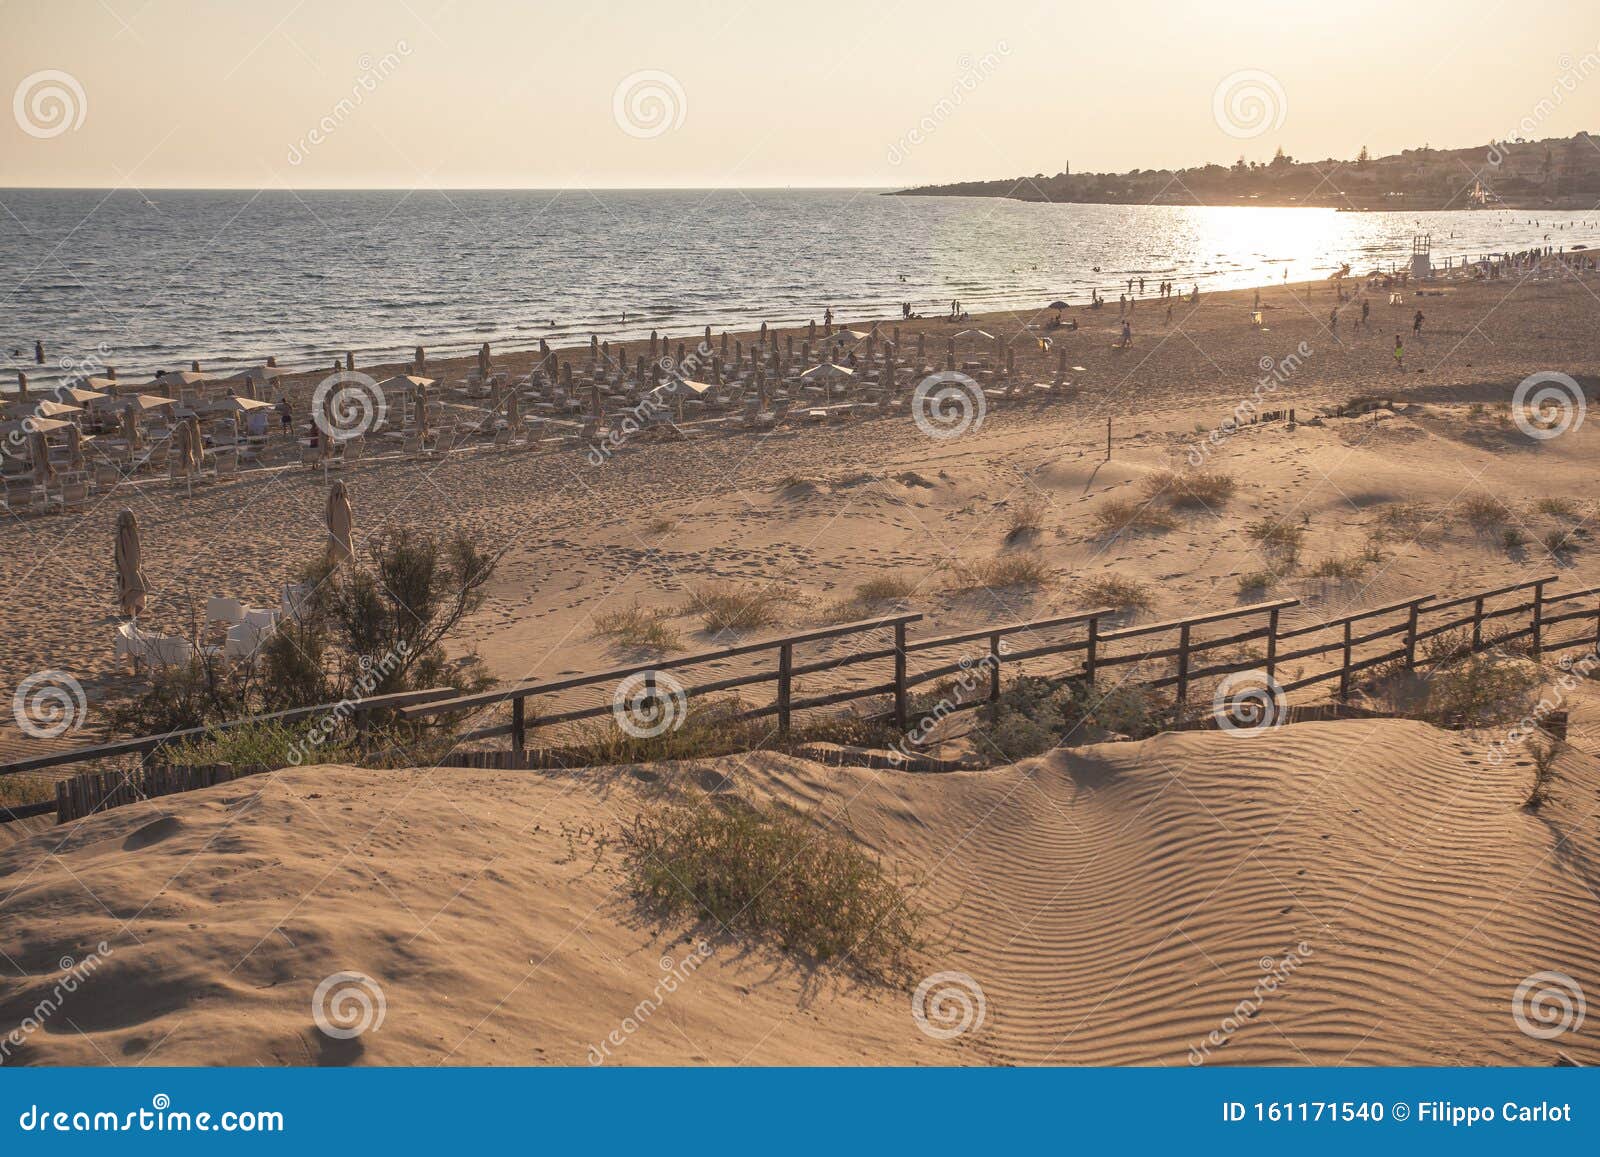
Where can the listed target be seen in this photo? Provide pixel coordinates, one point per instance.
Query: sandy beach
(1116, 902)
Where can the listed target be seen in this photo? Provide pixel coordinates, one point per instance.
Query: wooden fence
(1178, 654)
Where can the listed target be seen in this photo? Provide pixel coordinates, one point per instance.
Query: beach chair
(354, 449)
(225, 464)
(294, 597)
(130, 643)
(106, 476)
(74, 495)
(502, 438)
(169, 651)
(21, 497)
(220, 610)
(411, 445)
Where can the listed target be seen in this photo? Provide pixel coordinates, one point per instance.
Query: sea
(147, 281)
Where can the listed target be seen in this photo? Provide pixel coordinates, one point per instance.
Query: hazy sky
(461, 93)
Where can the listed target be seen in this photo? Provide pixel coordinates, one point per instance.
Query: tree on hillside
(1363, 158)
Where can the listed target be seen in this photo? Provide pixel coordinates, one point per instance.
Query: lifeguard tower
(1421, 256)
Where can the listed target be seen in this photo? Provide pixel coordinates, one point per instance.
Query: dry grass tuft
(1190, 490)
(1122, 514)
(641, 628)
(1020, 569)
(726, 606)
(1116, 591)
(1485, 511)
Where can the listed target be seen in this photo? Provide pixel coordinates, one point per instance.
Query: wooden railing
(1102, 637)
(357, 709)
(1358, 641)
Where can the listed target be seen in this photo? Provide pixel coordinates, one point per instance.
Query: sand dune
(1115, 903)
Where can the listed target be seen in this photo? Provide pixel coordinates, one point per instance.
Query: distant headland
(1556, 173)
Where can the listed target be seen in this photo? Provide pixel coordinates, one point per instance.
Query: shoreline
(520, 357)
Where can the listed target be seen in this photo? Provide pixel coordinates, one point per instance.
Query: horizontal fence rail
(878, 661)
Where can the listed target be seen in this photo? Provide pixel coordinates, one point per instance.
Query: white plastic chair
(224, 611)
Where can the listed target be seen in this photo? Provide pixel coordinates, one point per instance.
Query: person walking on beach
(1399, 353)
(1416, 325)
(1127, 334)
(827, 315)
(1366, 308)
(285, 414)
(1122, 304)
(1333, 321)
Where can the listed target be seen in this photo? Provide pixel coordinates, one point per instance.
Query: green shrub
(640, 628)
(1113, 590)
(768, 872)
(727, 606)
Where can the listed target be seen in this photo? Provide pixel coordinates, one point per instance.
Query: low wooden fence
(1176, 654)
(94, 791)
(875, 659)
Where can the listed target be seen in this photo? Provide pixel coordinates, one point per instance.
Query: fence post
(1272, 645)
(1183, 672)
(1411, 638)
(994, 667)
(1090, 656)
(785, 667)
(1477, 623)
(1538, 618)
(901, 714)
(1344, 669)
(519, 724)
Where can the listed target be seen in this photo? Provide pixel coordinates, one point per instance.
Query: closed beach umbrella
(197, 444)
(181, 438)
(42, 471)
(341, 525)
(514, 409)
(483, 360)
(74, 448)
(422, 410)
(130, 562)
(130, 426)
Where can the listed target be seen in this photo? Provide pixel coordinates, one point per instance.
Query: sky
(151, 94)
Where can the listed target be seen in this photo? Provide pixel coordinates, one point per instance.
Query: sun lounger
(222, 610)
